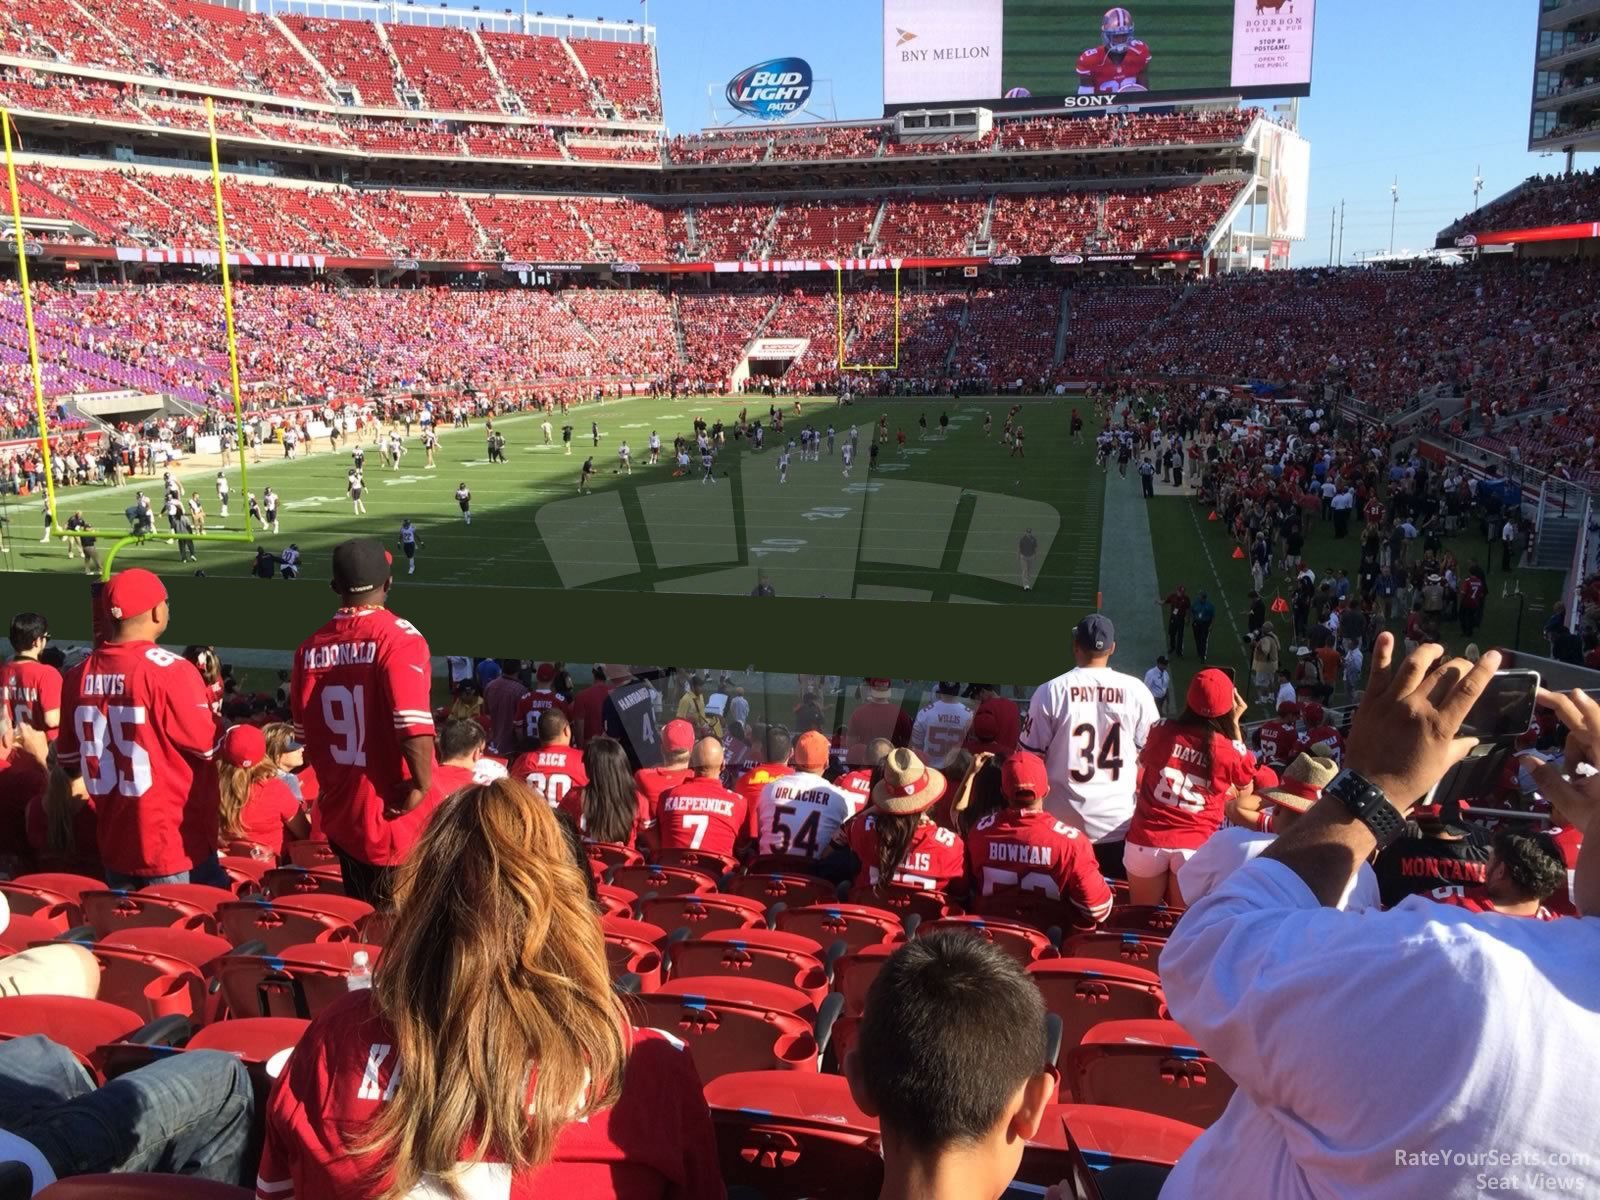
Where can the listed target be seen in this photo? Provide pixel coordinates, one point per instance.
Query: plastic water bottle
(360, 976)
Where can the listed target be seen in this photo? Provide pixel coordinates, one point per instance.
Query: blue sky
(1431, 91)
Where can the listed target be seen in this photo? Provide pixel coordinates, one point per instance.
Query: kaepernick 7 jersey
(136, 722)
(358, 691)
(1101, 69)
(1028, 850)
(701, 814)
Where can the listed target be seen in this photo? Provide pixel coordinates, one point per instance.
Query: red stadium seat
(613, 855)
(1109, 1136)
(253, 1040)
(1033, 909)
(1139, 950)
(150, 984)
(904, 901)
(290, 920)
(60, 883)
(701, 913)
(245, 873)
(699, 860)
(127, 1186)
(185, 906)
(632, 949)
(663, 881)
(312, 854)
(792, 1133)
(298, 881)
(298, 981)
(765, 954)
(193, 946)
(793, 890)
(736, 1025)
(854, 924)
(21, 932)
(1024, 943)
(80, 1025)
(1151, 1066)
(60, 910)
(643, 931)
(615, 901)
(1152, 920)
(1083, 992)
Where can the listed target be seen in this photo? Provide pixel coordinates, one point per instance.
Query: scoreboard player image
(1121, 63)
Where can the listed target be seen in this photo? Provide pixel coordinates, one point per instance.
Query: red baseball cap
(244, 746)
(1313, 713)
(1211, 693)
(1288, 709)
(132, 593)
(1024, 771)
(546, 672)
(677, 736)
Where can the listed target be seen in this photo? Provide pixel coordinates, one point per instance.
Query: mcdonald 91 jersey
(359, 690)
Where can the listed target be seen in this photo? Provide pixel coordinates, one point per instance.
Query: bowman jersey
(1101, 70)
(136, 722)
(1028, 850)
(28, 690)
(555, 772)
(701, 814)
(935, 857)
(939, 731)
(359, 690)
(1089, 726)
(1327, 735)
(799, 813)
(1187, 777)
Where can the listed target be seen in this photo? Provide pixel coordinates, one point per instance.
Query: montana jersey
(136, 722)
(1188, 775)
(359, 690)
(798, 814)
(1028, 850)
(939, 730)
(935, 857)
(552, 771)
(28, 690)
(701, 814)
(1089, 726)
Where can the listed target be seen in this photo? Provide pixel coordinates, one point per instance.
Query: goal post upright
(838, 272)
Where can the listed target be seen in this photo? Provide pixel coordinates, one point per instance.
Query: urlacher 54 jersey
(359, 690)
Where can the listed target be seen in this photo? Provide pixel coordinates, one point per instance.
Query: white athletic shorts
(1150, 862)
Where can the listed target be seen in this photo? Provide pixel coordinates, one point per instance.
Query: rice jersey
(552, 771)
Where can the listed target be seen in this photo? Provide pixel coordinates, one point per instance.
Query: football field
(940, 520)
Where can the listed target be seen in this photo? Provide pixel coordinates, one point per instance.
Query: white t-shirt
(1090, 724)
(1230, 847)
(939, 730)
(800, 813)
(1425, 1031)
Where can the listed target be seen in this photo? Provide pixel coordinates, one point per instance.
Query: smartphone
(1505, 710)
(1229, 672)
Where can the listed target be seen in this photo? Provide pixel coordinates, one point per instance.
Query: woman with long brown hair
(491, 1055)
(895, 841)
(254, 804)
(609, 807)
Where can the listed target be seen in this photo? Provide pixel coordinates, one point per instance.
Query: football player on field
(1121, 64)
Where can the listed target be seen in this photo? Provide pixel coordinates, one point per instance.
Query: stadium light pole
(1394, 209)
(1477, 187)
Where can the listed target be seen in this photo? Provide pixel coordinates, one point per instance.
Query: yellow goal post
(839, 294)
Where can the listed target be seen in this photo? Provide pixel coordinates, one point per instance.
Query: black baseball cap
(1095, 632)
(360, 565)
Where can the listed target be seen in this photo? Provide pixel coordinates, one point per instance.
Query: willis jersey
(939, 731)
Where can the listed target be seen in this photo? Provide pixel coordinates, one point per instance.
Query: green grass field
(939, 522)
(1191, 42)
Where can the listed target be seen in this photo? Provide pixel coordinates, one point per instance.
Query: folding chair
(1134, 949)
(1150, 1066)
(298, 881)
(698, 860)
(179, 905)
(700, 914)
(791, 1133)
(291, 920)
(854, 924)
(794, 890)
(904, 901)
(1022, 942)
(663, 881)
(741, 1025)
(763, 954)
(298, 981)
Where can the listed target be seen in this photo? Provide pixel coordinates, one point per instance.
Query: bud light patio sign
(772, 90)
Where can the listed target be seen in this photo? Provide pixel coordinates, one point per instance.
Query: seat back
(734, 1026)
(1154, 920)
(903, 901)
(1083, 992)
(1022, 942)
(300, 981)
(66, 884)
(150, 984)
(312, 854)
(699, 860)
(854, 972)
(613, 855)
(759, 954)
(109, 912)
(615, 901)
(22, 931)
(282, 923)
(82, 1026)
(663, 881)
(792, 1133)
(854, 924)
(701, 914)
(1133, 949)
(1109, 1137)
(299, 881)
(125, 1186)
(1149, 1066)
(778, 888)
(628, 953)
(58, 911)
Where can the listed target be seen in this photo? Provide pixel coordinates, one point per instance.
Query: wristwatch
(1367, 803)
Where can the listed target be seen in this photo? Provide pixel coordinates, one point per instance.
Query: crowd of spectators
(1541, 200)
(1126, 129)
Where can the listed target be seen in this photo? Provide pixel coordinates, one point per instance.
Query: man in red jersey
(858, 784)
(359, 695)
(1524, 870)
(651, 783)
(585, 711)
(1025, 849)
(138, 738)
(879, 716)
(1279, 739)
(996, 722)
(30, 691)
(1121, 63)
(1319, 732)
(536, 703)
(1469, 602)
(461, 746)
(699, 813)
(555, 769)
(775, 765)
